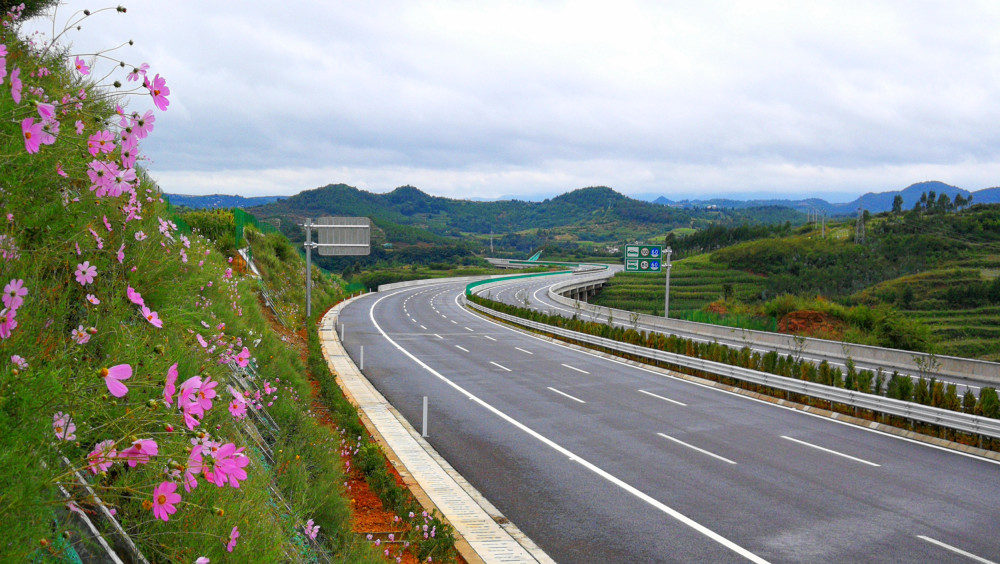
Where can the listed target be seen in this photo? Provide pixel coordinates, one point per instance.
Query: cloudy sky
(488, 99)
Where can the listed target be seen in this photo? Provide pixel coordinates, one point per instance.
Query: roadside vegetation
(143, 378)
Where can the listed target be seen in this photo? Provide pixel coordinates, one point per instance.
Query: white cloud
(481, 99)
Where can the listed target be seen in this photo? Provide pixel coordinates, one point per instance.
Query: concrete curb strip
(479, 535)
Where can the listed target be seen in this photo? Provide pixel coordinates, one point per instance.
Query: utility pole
(491, 241)
(859, 228)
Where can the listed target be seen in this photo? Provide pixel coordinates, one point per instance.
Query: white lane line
(830, 451)
(575, 368)
(703, 451)
(662, 398)
(956, 550)
(467, 329)
(444, 316)
(567, 395)
(500, 366)
(716, 537)
(657, 372)
(455, 322)
(524, 351)
(422, 327)
(413, 320)
(461, 348)
(490, 338)
(438, 336)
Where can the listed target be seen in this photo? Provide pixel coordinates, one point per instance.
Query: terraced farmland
(694, 283)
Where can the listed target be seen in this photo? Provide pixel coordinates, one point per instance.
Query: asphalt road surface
(599, 461)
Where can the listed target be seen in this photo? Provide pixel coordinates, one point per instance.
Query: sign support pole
(666, 294)
(309, 286)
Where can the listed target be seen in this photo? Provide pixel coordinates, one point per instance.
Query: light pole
(666, 294)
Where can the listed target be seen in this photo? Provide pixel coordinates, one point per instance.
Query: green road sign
(642, 258)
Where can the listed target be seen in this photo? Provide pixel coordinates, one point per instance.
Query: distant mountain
(220, 201)
(597, 213)
(873, 202)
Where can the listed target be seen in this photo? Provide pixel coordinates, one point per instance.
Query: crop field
(694, 283)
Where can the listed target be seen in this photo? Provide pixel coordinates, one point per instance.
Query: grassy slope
(49, 217)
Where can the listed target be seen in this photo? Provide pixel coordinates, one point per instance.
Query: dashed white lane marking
(453, 321)
(422, 327)
(830, 451)
(467, 329)
(662, 398)
(956, 550)
(438, 336)
(701, 450)
(673, 513)
(524, 351)
(575, 368)
(500, 366)
(490, 338)
(567, 395)
(460, 347)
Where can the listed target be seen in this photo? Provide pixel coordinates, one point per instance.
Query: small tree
(989, 403)
(969, 401)
(897, 204)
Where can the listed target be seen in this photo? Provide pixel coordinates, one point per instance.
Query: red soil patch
(812, 324)
(717, 307)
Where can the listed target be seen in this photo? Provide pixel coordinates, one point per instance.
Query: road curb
(482, 533)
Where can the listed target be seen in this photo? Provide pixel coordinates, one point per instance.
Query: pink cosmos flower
(81, 66)
(206, 392)
(238, 408)
(93, 299)
(228, 273)
(16, 85)
(188, 401)
(120, 255)
(140, 452)
(152, 317)
(80, 335)
(102, 457)
(85, 273)
(60, 171)
(113, 377)
(164, 498)
(233, 535)
(140, 236)
(137, 72)
(229, 465)
(134, 297)
(311, 530)
(13, 293)
(194, 467)
(7, 322)
(79, 127)
(170, 388)
(243, 358)
(18, 361)
(64, 427)
(32, 133)
(159, 91)
(100, 142)
(46, 111)
(202, 560)
(201, 340)
(144, 124)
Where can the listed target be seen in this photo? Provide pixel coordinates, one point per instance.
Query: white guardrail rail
(946, 418)
(913, 363)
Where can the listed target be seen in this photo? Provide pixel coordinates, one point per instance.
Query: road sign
(642, 258)
(340, 236)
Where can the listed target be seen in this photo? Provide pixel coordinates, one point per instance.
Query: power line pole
(859, 228)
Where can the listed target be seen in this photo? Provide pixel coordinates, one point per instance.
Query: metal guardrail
(934, 415)
(910, 362)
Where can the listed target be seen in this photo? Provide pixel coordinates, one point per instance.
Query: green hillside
(931, 271)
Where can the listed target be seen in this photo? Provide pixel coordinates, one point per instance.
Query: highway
(533, 293)
(600, 461)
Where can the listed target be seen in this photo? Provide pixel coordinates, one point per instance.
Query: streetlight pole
(666, 293)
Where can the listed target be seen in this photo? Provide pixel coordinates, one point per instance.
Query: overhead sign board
(642, 258)
(343, 236)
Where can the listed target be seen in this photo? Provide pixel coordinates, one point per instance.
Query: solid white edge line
(500, 366)
(956, 550)
(663, 398)
(524, 351)
(569, 454)
(701, 450)
(567, 395)
(817, 447)
(575, 368)
(664, 374)
(461, 347)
